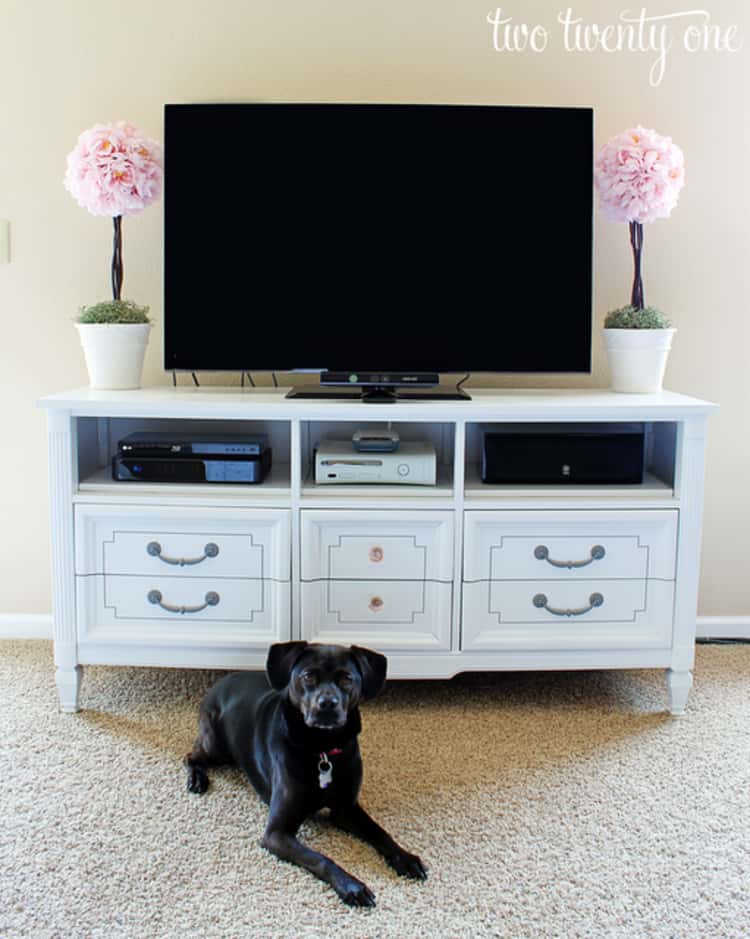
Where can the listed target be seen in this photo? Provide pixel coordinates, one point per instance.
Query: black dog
(298, 746)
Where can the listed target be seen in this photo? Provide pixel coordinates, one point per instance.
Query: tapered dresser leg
(68, 685)
(679, 684)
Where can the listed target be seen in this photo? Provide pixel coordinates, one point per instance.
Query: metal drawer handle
(155, 597)
(376, 554)
(541, 553)
(376, 604)
(540, 601)
(154, 549)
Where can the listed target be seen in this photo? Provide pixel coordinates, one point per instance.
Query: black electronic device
(563, 453)
(381, 245)
(144, 443)
(245, 468)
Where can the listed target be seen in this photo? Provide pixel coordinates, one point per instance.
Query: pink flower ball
(639, 175)
(114, 170)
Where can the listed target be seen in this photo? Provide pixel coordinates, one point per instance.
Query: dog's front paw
(408, 865)
(197, 777)
(353, 892)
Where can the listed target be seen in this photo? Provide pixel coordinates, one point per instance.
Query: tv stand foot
(68, 682)
(679, 684)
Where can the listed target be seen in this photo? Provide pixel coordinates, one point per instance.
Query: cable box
(588, 454)
(240, 468)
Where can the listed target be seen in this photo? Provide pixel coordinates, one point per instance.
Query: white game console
(414, 463)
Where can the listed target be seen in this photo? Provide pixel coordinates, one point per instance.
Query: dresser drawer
(552, 614)
(371, 545)
(574, 545)
(127, 609)
(182, 542)
(385, 614)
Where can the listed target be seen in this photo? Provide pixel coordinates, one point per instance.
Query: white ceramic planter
(114, 353)
(637, 358)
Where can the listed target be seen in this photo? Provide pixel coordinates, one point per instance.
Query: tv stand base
(462, 576)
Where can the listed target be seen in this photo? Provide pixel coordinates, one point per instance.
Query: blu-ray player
(192, 458)
(162, 443)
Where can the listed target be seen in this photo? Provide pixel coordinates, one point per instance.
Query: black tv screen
(443, 238)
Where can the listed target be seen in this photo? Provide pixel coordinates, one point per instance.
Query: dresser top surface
(486, 404)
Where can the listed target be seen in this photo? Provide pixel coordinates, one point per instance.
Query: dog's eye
(309, 679)
(345, 680)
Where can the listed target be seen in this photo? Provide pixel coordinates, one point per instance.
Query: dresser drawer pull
(376, 554)
(376, 604)
(540, 601)
(154, 549)
(541, 553)
(155, 597)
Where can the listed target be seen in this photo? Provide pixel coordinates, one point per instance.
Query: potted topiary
(114, 356)
(638, 343)
(639, 175)
(114, 170)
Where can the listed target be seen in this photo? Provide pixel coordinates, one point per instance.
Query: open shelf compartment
(98, 438)
(439, 434)
(660, 454)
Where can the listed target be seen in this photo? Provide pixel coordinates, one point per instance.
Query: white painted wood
(679, 684)
(723, 627)
(430, 623)
(227, 653)
(297, 438)
(508, 545)
(63, 481)
(39, 625)
(123, 539)
(507, 404)
(98, 486)
(652, 492)
(689, 484)
(502, 615)
(377, 545)
(26, 626)
(385, 615)
(459, 472)
(117, 609)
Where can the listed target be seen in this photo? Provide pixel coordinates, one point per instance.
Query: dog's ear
(280, 662)
(372, 667)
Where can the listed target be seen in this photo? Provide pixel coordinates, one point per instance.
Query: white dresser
(448, 578)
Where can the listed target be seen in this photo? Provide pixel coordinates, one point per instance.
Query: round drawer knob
(376, 604)
(376, 554)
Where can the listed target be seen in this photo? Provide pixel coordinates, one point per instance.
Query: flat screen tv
(378, 240)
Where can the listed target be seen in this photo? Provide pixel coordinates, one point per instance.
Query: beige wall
(65, 64)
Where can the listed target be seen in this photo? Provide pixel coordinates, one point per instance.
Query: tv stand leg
(68, 682)
(678, 684)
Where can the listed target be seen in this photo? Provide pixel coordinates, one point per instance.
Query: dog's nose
(328, 701)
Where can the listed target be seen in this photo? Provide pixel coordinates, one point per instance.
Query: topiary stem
(636, 241)
(117, 258)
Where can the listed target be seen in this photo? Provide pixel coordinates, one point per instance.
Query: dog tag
(325, 771)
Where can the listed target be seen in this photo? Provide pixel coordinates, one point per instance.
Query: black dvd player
(192, 458)
(591, 454)
(176, 444)
(248, 468)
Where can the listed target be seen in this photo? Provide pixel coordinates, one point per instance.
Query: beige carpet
(565, 805)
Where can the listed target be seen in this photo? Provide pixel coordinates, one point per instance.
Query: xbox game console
(414, 464)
